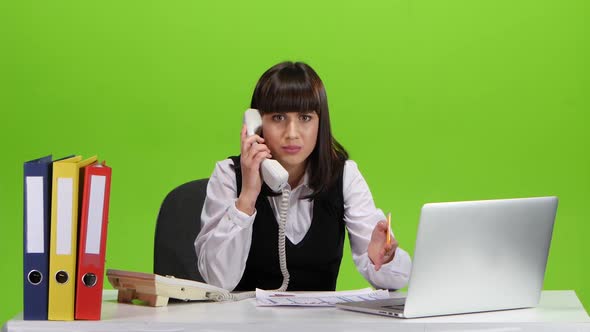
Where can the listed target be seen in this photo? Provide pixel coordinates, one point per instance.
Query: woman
(237, 245)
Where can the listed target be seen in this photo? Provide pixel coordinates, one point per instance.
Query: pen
(388, 228)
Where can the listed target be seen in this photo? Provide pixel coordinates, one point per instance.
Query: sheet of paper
(317, 299)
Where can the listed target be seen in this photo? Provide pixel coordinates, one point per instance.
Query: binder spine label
(65, 190)
(35, 228)
(95, 214)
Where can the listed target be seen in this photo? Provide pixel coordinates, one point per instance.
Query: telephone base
(156, 290)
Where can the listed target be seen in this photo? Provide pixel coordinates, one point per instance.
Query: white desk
(558, 311)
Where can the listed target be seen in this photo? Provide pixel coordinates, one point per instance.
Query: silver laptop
(474, 256)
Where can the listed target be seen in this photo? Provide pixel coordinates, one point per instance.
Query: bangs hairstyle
(296, 87)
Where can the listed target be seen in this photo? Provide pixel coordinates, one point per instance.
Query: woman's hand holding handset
(251, 157)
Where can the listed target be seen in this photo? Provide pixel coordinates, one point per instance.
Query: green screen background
(435, 100)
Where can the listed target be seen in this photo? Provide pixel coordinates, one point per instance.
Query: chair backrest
(177, 226)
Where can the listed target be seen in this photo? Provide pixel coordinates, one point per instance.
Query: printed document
(317, 299)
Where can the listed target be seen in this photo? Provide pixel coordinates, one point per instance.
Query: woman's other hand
(379, 251)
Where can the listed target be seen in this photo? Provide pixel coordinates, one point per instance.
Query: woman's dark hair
(296, 87)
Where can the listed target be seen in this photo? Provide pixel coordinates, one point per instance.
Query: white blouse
(223, 243)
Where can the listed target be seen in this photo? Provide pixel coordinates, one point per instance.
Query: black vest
(314, 262)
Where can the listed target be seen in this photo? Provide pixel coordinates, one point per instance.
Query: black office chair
(177, 226)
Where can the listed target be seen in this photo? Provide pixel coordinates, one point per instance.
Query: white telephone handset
(273, 174)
